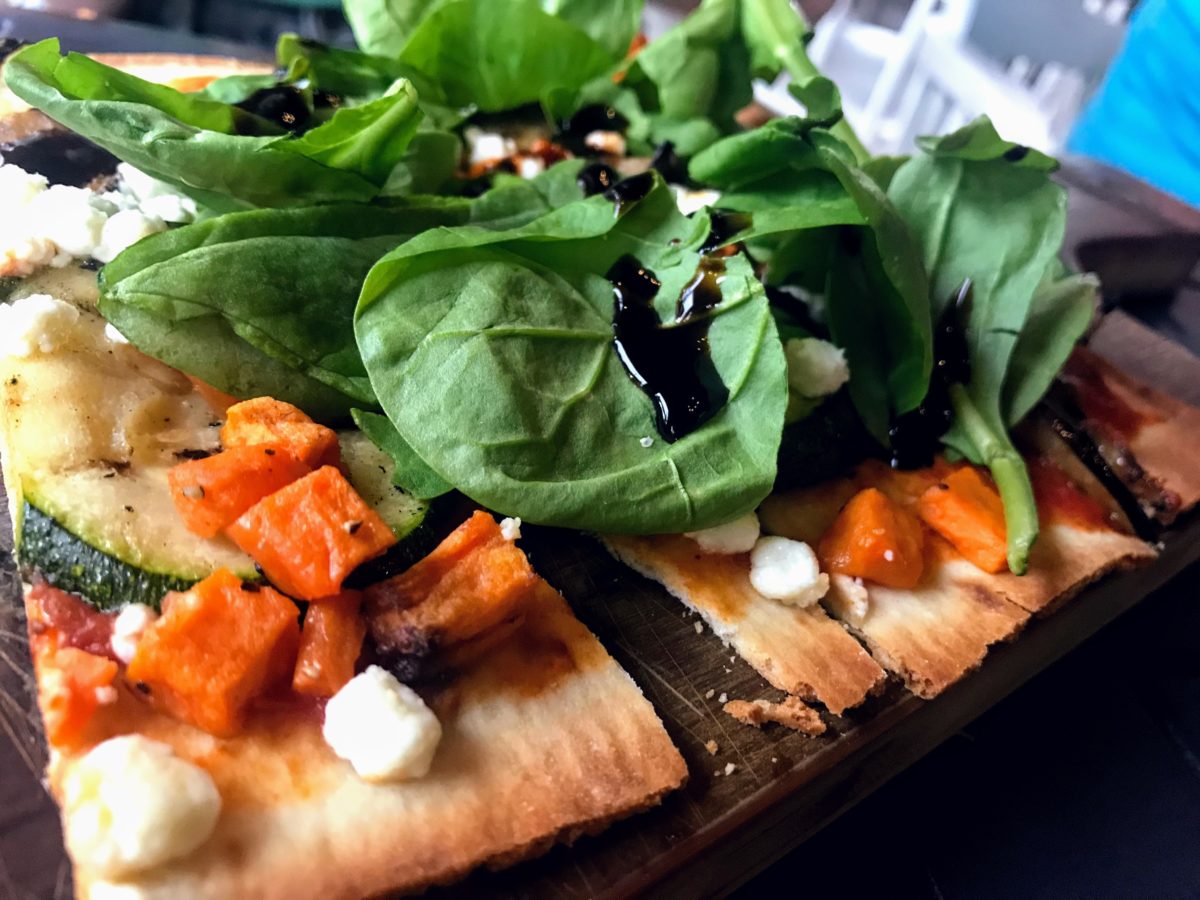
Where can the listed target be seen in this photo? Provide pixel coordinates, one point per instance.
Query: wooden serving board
(721, 828)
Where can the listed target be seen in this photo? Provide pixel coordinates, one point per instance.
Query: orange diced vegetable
(70, 689)
(875, 538)
(473, 581)
(264, 420)
(967, 511)
(330, 643)
(210, 493)
(216, 648)
(310, 535)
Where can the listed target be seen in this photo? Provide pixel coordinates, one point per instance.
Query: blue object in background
(1145, 118)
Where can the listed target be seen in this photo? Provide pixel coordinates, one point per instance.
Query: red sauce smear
(1100, 403)
(78, 624)
(1059, 499)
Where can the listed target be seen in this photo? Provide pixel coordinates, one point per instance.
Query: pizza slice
(211, 739)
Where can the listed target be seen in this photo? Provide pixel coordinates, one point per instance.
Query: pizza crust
(799, 651)
(545, 739)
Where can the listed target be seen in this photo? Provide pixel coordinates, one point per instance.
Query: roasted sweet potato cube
(968, 512)
(874, 538)
(310, 535)
(473, 581)
(265, 420)
(216, 648)
(330, 643)
(211, 492)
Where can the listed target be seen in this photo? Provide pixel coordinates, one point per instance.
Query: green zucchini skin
(71, 564)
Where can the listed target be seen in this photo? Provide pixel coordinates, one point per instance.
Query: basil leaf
(492, 355)
(262, 302)
(191, 141)
(986, 214)
(411, 473)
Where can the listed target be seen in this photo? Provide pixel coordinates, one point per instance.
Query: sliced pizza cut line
(800, 651)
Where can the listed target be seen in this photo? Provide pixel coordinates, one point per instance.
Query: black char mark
(671, 363)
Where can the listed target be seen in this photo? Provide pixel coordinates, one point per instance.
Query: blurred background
(1105, 79)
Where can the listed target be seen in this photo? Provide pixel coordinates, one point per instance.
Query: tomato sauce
(78, 625)
(1061, 500)
(1103, 406)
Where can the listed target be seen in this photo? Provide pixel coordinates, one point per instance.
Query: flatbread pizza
(289, 356)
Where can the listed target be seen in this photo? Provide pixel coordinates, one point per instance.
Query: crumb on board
(730, 768)
(708, 695)
(712, 748)
(724, 697)
(699, 626)
(790, 712)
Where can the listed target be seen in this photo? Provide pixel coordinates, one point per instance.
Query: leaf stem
(1012, 478)
(797, 64)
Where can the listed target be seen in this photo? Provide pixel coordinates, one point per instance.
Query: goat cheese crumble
(36, 324)
(382, 727)
(786, 570)
(738, 536)
(132, 804)
(815, 368)
(128, 628)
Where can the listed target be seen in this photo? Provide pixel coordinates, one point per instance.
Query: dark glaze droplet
(62, 156)
(598, 117)
(596, 178)
(282, 105)
(1016, 154)
(667, 163)
(670, 363)
(916, 435)
(725, 224)
(631, 190)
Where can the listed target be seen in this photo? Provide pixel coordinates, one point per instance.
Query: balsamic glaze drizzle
(282, 105)
(9, 46)
(1016, 154)
(667, 163)
(63, 157)
(725, 224)
(670, 363)
(915, 436)
(573, 131)
(596, 178)
(630, 190)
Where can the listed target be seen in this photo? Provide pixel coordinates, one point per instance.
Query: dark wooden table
(718, 833)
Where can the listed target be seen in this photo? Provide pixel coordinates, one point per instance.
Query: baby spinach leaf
(194, 143)
(1061, 313)
(262, 302)
(984, 213)
(492, 355)
(411, 473)
(383, 27)
(798, 181)
(455, 49)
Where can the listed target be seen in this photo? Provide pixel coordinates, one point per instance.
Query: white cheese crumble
(128, 627)
(730, 768)
(157, 199)
(815, 368)
(49, 225)
(647, 441)
(529, 167)
(511, 529)
(382, 727)
(35, 324)
(690, 201)
(610, 142)
(131, 804)
(698, 626)
(738, 536)
(484, 146)
(787, 571)
(114, 336)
